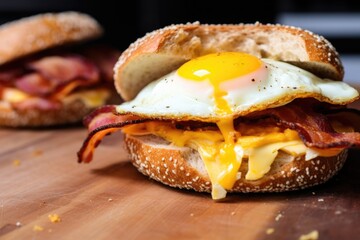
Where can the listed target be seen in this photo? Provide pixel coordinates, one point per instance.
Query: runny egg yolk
(219, 68)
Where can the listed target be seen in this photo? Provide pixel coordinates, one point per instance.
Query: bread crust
(164, 50)
(29, 35)
(70, 112)
(170, 166)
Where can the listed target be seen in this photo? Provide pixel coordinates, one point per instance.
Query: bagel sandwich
(53, 69)
(231, 108)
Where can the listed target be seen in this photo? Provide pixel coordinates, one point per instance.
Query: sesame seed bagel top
(164, 50)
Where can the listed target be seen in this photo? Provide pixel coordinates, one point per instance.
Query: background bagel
(51, 34)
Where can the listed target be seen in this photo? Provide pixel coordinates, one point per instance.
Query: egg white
(172, 96)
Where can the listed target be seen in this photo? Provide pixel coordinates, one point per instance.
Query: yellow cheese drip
(14, 95)
(227, 155)
(91, 98)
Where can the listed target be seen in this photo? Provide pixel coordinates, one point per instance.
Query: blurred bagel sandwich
(52, 69)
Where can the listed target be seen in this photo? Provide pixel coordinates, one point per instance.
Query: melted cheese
(261, 157)
(229, 155)
(91, 98)
(222, 151)
(13, 95)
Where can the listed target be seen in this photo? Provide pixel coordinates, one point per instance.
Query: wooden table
(109, 199)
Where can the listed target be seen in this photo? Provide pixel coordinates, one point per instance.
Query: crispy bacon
(48, 75)
(53, 72)
(89, 119)
(105, 58)
(50, 78)
(34, 84)
(105, 115)
(314, 128)
(347, 116)
(102, 122)
(65, 68)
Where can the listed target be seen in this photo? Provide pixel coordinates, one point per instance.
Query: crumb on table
(313, 235)
(37, 152)
(54, 218)
(16, 162)
(38, 228)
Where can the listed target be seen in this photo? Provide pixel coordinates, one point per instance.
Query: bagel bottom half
(182, 167)
(71, 111)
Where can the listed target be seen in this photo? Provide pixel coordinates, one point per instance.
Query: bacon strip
(62, 69)
(50, 78)
(102, 122)
(53, 72)
(314, 128)
(105, 58)
(34, 84)
(347, 116)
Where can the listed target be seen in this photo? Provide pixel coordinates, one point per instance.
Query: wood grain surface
(109, 199)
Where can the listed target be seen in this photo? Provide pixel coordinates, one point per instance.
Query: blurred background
(338, 21)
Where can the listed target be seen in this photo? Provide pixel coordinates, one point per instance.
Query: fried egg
(217, 85)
